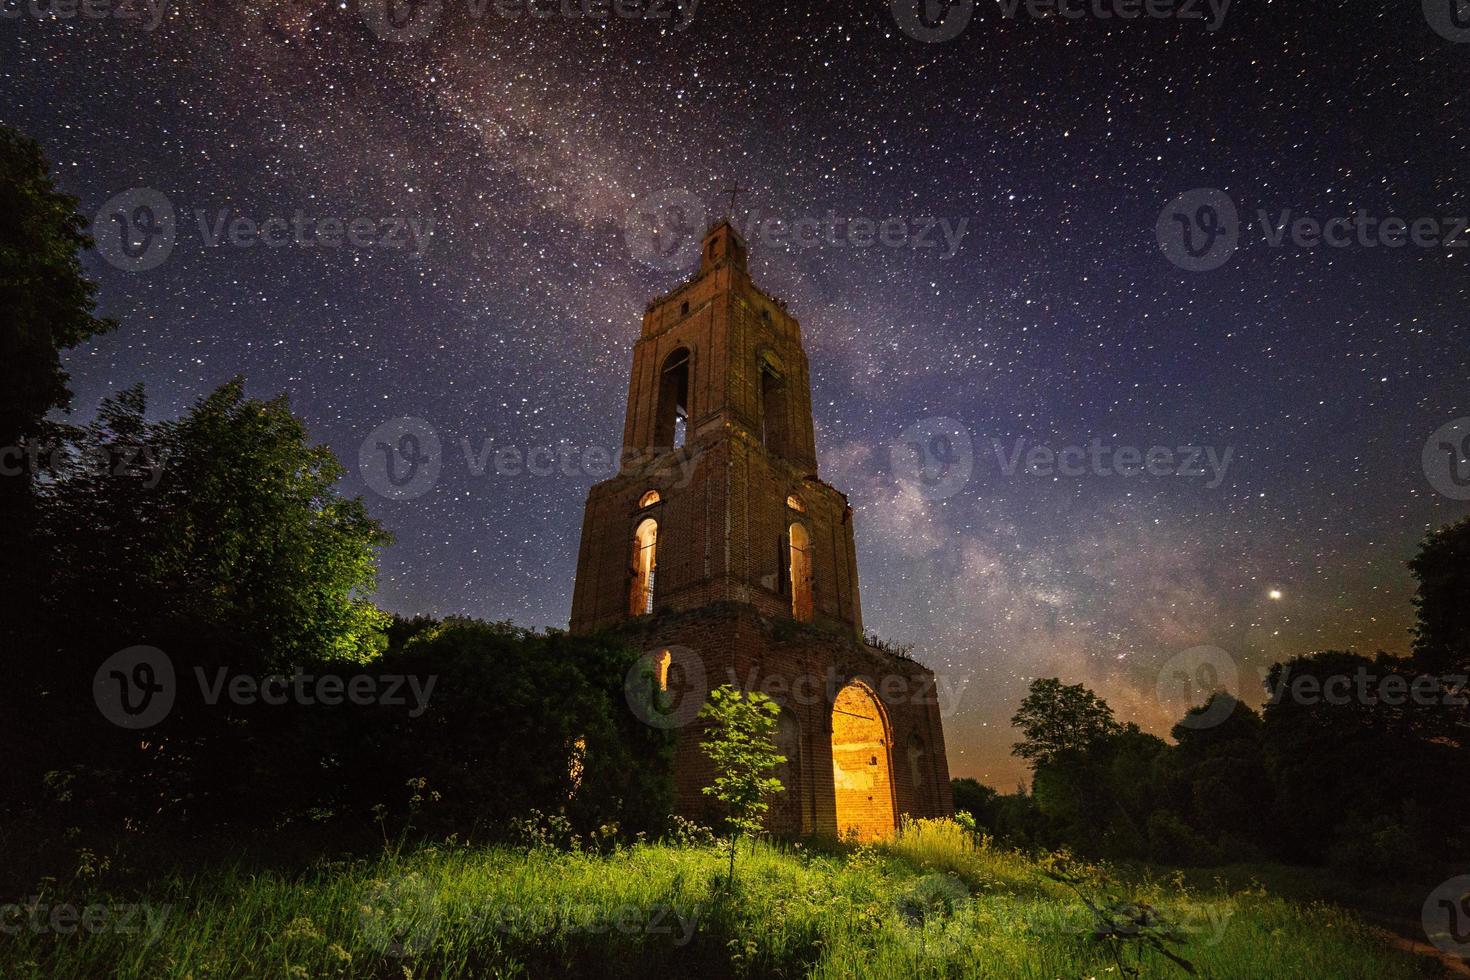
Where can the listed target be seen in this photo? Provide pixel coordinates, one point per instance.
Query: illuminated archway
(862, 768)
(645, 553)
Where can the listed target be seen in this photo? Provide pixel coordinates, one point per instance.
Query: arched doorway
(862, 769)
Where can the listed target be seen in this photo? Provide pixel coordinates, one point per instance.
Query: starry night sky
(1058, 321)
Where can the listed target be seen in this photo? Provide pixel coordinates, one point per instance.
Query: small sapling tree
(740, 739)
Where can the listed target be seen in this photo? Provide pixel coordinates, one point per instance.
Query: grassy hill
(936, 902)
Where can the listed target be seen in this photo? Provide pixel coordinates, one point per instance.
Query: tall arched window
(775, 416)
(645, 550)
(673, 401)
(801, 573)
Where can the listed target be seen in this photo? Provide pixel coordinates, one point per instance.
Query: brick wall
(806, 670)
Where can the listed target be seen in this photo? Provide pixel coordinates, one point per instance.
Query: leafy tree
(46, 306)
(1337, 751)
(224, 522)
(740, 739)
(976, 799)
(1056, 718)
(219, 539)
(1219, 771)
(517, 721)
(1442, 602)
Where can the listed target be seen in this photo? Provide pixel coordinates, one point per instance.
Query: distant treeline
(1360, 762)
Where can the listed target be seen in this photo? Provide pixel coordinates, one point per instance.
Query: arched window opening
(673, 401)
(684, 308)
(775, 413)
(645, 548)
(794, 503)
(661, 668)
(801, 573)
(648, 499)
(861, 771)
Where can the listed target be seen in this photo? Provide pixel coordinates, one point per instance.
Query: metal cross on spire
(732, 191)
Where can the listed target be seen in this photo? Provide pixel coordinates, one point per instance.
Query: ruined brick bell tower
(718, 550)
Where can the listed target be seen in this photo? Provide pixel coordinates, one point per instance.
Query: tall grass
(934, 902)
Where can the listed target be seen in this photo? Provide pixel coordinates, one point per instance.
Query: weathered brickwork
(719, 427)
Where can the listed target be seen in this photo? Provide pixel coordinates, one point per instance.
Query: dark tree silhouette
(1442, 602)
(1057, 718)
